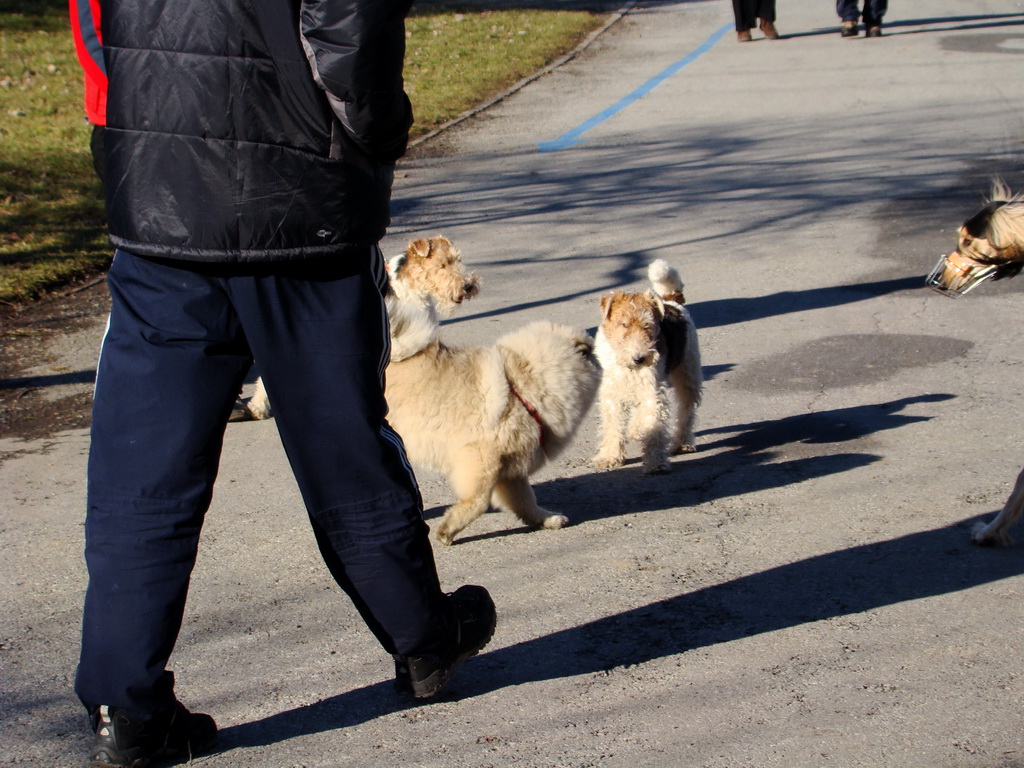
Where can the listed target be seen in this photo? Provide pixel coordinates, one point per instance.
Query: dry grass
(51, 211)
(455, 60)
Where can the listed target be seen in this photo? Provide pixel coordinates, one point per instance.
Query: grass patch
(457, 59)
(51, 211)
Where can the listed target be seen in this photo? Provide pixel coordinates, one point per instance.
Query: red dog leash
(532, 411)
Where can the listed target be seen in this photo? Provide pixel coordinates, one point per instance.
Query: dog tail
(1005, 229)
(666, 281)
(1001, 193)
(550, 367)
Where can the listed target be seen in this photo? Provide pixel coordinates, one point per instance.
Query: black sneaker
(121, 743)
(849, 29)
(875, 31)
(425, 676)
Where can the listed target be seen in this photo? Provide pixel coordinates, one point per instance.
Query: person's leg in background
(874, 10)
(849, 14)
(766, 15)
(745, 12)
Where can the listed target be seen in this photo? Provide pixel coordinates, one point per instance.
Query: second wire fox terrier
(647, 347)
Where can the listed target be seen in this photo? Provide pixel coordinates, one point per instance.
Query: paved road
(801, 592)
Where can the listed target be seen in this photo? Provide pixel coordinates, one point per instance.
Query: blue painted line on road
(572, 137)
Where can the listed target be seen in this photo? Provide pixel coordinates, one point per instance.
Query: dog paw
(552, 522)
(657, 468)
(257, 412)
(685, 448)
(239, 412)
(444, 537)
(983, 538)
(607, 462)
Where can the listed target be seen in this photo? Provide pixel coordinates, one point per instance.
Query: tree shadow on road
(955, 23)
(719, 312)
(861, 578)
(917, 566)
(931, 25)
(739, 459)
(49, 380)
(720, 175)
(709, 314)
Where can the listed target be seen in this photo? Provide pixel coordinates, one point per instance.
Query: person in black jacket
(249, 153)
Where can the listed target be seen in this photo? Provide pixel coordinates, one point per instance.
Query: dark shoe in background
(849, 29)
(744, 36)
(769, 30)
(875, 31)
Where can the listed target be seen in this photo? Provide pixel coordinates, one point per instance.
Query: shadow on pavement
(866, 577)
(746, 458)
(862, 578)
(929, 25)
(716, 174)
(721, 312)
(49, 380)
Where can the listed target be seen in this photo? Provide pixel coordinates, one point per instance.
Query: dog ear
(658, 303)
(584, 346)
(1000, 192)
(396, 264)
(419, 248)
(606, 305)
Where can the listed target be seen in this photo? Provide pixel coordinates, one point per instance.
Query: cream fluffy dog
(487, 417)
(647, 347)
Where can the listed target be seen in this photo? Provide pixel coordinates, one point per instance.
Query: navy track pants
(874, 10)
(180, 341)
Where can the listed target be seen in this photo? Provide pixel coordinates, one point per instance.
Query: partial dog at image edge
(997, 532)
(486, 417)
(990, 246)
(649, 354)
(434, 281)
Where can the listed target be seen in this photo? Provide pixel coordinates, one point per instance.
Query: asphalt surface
(802, 591)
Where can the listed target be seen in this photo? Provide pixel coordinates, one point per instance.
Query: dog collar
(532, 411)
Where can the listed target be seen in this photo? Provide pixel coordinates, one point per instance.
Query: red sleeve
(85, 28)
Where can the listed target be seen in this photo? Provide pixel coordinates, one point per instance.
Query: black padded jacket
(252, 130)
